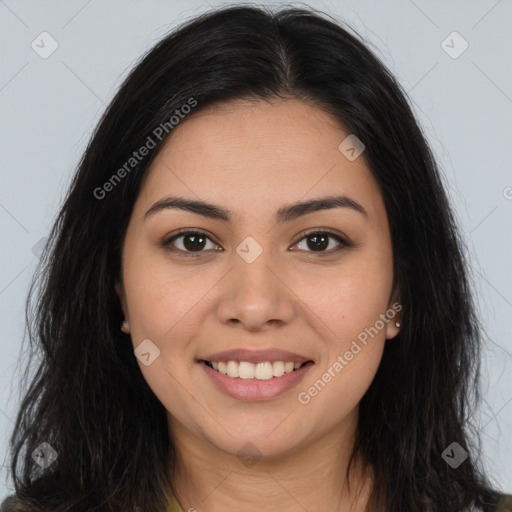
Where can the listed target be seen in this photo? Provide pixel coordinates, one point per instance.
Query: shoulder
(505, 504)
(11, 504)
(173, 505)
(8, 504)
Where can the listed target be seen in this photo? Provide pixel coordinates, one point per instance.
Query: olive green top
(173, 506)
(505, 505)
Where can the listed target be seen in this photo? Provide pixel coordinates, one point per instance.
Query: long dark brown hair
(88, 399)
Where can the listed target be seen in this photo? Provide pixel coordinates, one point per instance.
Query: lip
(253, 389)
(256, 356)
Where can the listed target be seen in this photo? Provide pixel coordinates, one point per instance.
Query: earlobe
(125, 326)
(395, 319)
(392, 329)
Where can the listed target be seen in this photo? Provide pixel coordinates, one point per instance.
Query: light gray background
(50, 106)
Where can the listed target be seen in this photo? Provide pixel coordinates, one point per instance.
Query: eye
(319, 241)
(194, 242)
(191, 241)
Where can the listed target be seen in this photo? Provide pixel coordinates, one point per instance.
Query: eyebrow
(284, 214)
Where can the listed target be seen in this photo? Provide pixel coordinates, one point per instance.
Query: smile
(248, 381)
(264, 370)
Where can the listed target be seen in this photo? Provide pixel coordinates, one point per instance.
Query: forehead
(255, 154)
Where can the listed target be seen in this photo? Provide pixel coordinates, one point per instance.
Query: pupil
(320, 242)
(196, 243)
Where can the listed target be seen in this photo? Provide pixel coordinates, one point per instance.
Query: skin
(253, 158)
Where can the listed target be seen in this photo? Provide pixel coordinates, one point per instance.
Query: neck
(312, 476)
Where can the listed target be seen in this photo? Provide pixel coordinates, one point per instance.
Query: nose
(255, 296)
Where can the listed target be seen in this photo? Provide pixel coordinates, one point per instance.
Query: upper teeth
(261, 371)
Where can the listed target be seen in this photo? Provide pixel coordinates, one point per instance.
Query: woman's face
(260, 279)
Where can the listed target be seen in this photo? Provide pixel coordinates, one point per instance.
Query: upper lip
(256, 356)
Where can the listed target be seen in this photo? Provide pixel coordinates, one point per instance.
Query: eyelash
(167, 242)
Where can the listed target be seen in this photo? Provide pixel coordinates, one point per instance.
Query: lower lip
(253, 389)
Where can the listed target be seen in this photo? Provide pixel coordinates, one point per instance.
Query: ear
(122, 299)
(394, 315)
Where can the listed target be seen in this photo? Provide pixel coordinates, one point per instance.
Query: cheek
(370, 284)
(352, 297)
(161, 298)
(343, 383)
(161, 307)
(353, 304)
(169, 385)
(353, 310)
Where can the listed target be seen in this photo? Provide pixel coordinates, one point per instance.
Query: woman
(255, 295)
